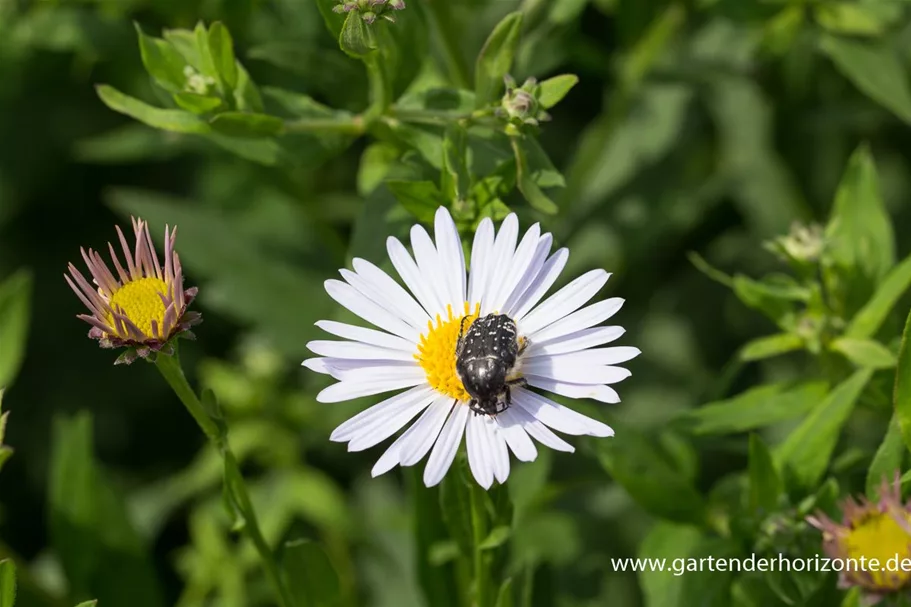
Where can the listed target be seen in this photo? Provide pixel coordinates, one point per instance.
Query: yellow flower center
(139, 301)
(881, 537)
(437, 351)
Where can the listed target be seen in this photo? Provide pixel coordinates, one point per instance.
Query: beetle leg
(519, 381)
(459, 342)
(524, 342)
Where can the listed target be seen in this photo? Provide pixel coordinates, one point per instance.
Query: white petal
(503, 249)
(353, 349)
(367, 336)
(500, 291)
(481, 251)
(572, 372)
(383, 427)
(318, 365)
(387, 408)
(347, 390)
(411, 276)
(355, 370)
(498, 448)
(399, 298)
(588, 316)
(565, 301)
(531, 274)
(573, 342)
(385, 299)
(480, 458)
(444, 450)
(598, 356)
(516, 437)
(428, 260)
(558, 417)
(542, 282)
(417, 440)
(352, 299)
(452, 259)
(598, 392)
(540, 432)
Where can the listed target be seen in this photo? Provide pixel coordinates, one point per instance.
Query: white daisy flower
(557, 343)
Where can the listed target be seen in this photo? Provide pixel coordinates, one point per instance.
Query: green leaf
(185, 43)
(15, 311)
(100, 551)
(455, 504)
(765, 484)
(505, 597)
(310, 575)
(755, 408)
(807, 450)
(887, 460)
(87, 604)
(5, 452)
(553, 90)
(773, 300)
(162, 61)
(247, 124)
(677, 546)
(641, 468)
(903, 384)
(376, 162)
(355, 38)
(496, 538)
(246, 95)
(871, 316)
(770, 345)
(874, 69)
(526, 184)
(7, 583)
(865, 352)
(221, 47)
(859, 233)
(848, 18)
(196, 103)
(495, 59)
(455, 179)
(177, 121)
(206, 59)
(420, 198)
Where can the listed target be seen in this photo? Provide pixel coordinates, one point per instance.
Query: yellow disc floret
(139, 300)
(880, 536)
(437, 351)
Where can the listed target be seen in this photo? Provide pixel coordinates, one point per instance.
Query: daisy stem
(172, 371)
(479, 530)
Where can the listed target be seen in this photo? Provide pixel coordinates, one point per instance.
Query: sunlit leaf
(222, 48)
(162, 61)
(807, 450)
(871, 316)
(553, 90)
(887, 460)
(177, 121)
(495, 59)
(865, 352)
(755, 408)
(874, 69)
(15, 312)
(7, 583)
(770, 345)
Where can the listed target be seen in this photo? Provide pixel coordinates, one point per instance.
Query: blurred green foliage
(741, 167)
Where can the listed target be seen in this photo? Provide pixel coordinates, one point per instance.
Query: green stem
(439, 117)
(442, 17)
(171, 369)
(479, 532)
(347, 126)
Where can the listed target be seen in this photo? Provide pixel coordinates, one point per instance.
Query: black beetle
(485, 356)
